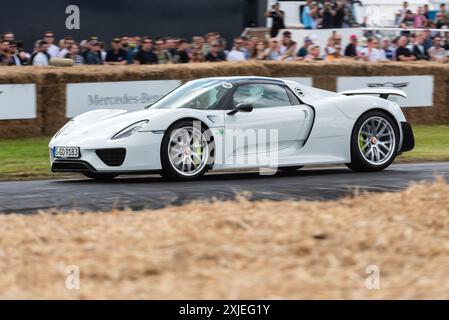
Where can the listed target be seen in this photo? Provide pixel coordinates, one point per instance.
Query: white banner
(129, 95)
(17, 101)
(301, 80)
(419, 89)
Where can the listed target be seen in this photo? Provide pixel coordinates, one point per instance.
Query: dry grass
(236, 250)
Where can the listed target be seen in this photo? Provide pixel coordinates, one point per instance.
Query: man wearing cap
(409, 20)
(304, 51)
(351, 49)
(314, 54)
(117, 55)
(93, 55)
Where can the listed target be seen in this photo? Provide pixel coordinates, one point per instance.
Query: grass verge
(22, 159)
(431, 144)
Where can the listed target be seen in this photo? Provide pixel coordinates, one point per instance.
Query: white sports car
(236, 123)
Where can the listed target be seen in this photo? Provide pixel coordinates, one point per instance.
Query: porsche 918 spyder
(226, 123)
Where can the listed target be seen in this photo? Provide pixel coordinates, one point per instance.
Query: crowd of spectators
(422, 17)
(317, 14)
(327, 14)
(424, 45)
(125, 50)
(334, 14)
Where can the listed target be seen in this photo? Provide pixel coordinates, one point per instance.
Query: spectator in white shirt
(68, 42)
(437, 52)
(41, 57)
(371, 53)
(400, 14)
(285, 41)
(237, 54)
(314, 54)
(49, 38)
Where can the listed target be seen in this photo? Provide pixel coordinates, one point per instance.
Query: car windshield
(200, 94)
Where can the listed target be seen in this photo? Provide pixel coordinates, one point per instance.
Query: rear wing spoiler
(383, 93)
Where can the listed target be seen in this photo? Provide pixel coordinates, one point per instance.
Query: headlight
(66, 128)
(130, 130)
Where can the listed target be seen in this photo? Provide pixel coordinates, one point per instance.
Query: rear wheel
(186, 151)
(374, 142)
(100, 176)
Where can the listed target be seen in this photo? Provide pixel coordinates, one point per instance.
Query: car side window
(262, 95)
(293, 98)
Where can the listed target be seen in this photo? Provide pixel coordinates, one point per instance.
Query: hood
(105, 123)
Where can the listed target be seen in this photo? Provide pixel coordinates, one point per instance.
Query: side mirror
(241, 107)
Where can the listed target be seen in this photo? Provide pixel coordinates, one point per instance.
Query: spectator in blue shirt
(304, 51)
(93, 56)
(307, 15)
(387, 51)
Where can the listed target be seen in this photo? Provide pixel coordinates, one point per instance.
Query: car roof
(243, 79)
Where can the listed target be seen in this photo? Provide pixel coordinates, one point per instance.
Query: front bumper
(141, 154)
(408, 139)
(83, 166)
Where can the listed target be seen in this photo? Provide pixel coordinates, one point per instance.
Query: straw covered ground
(236, 250)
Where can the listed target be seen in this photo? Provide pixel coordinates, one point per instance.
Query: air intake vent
(71, 166)
(112, 157)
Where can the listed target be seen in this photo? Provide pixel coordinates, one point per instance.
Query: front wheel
(374, 142)
(186, 151)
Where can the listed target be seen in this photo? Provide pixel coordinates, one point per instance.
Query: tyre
(100, 176)
(374, 142)
(186, 151)
(290, 170)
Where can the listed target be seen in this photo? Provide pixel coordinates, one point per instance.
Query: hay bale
(61, 62)
(51, 83)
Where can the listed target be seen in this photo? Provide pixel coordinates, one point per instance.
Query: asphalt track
(153, 192)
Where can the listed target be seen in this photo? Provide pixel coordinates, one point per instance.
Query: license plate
(66, 152)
